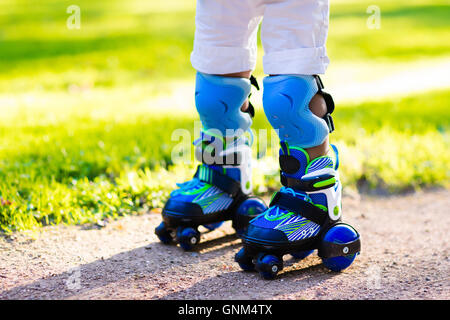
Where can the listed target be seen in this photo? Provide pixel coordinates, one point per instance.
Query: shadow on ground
(156, 261)
(153, 260)
(242, 285)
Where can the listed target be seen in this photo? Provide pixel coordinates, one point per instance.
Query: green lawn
(80, 169)
(122, 42)
(82, 138)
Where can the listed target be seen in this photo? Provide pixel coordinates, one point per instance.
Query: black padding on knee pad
(254, 82)
(251, 109)
(328, 101)
(329, 120)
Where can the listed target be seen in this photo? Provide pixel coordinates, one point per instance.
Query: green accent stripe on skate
(322, 207)
(325, 183)
(205, 174)
(316, 159)
(201, 190)
(280, 217)
(200, 172)
(291, 228)
(273, 196)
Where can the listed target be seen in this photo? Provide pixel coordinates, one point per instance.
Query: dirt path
(405, 255)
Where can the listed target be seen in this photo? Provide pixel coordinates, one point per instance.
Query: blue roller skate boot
(303, 216)
(219, 191)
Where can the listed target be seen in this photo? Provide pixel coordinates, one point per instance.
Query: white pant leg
(294, 36)
(225, 35)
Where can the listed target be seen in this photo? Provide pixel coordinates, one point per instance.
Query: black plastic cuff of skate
(300, 207)
(306, 184)
(289, 164)
(221, 181)
(331, 249)
(329, 121)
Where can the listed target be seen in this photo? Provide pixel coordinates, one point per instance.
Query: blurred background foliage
(87, 115)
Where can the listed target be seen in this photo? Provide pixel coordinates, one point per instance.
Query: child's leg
(225, 36)
(224, 53)
(294, 34)
(294, 37)
(224, 46)
(304, 214)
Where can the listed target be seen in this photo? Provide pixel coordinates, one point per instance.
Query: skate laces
(188, 186)
(295, 193)
(274, 213)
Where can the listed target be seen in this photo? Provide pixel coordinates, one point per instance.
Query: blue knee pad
(219, 100)
(286, 101)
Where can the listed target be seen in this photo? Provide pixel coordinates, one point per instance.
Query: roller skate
(219, 191)
(303, 216)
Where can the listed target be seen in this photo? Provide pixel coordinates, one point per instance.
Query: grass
(81, 169)
(122, 42)
(83, 138)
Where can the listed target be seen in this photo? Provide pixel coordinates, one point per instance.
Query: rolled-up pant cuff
(223, 60)
(306, 61)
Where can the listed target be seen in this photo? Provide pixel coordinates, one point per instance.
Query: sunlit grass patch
(122, 42)
(87, 166)
(86, 126)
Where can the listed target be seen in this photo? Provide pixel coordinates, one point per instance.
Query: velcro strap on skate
(309, 184)
(219, 180)
(300, 207)
(328, 101)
